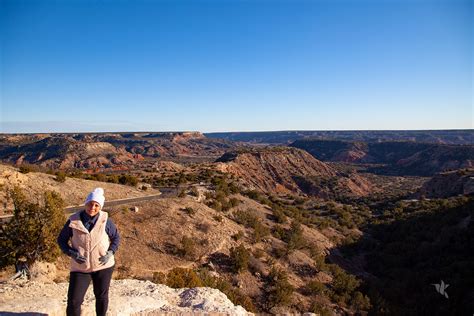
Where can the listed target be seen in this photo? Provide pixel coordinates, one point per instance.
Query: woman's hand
(106, 257)
(73, 253)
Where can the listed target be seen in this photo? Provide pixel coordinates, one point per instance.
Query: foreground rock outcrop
(127, 297)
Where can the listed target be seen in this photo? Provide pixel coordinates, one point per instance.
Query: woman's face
(92, 208)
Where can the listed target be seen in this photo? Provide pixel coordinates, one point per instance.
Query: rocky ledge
(127, 297)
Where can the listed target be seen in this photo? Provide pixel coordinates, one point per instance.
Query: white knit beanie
(97, 195)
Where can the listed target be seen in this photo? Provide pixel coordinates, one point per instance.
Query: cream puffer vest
(92, 245)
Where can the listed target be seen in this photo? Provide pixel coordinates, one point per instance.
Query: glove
(74, 254)
(106, 257)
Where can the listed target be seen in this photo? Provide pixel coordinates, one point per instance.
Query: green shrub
(218, 218)
(26, 169)
(278, 232)
(259, 231)
(343, 285)
(232, 293)
(279, 290)
(128, 180)
(360, 302)
(319, 309)
(182, 278)
(214, 204)
(189, 210)
(113, 178)
(187, 248)
(294, 237)
(245, 218)
(33, 230)
(240, 258)
(315, 287)
(60, 176)
(319, 260)
(159, 278)
(280, 216)
(234, 202)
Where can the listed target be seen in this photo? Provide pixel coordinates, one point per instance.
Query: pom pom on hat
(97, 195)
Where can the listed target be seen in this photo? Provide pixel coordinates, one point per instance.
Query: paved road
(166, 192)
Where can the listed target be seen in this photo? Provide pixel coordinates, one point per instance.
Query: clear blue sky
(224, 65)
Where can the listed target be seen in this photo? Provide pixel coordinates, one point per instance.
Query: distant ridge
(458, 137)
(398, 158)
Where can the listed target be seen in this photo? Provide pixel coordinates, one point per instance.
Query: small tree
(33, 230)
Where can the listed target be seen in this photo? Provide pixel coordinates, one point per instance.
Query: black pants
(78, 284)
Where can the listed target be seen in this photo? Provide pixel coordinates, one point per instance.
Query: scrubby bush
(280, 216)
(315, 287)
(189, 210)
(128, 180)
(360, 302)
(214, 204)
(60, 176)
(279, 290)
(240, 258)
(113, 178)
(245, 218)
(26, 169)
(159, 278)
(278, 232)
(319, 309)
(33, 230)
(294, 237)
(318, 259)
(343, 285)
(187, 248)
(234, 202)
(180, 277)
(218, 218)
(259, 231)
(250, 220)
(232, 293)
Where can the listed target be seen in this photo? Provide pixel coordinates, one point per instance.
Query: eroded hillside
(284, 170)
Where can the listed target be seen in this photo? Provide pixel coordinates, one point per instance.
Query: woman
(91, 239)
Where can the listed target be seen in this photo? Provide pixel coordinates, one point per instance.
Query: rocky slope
(285, 170)
(127, 297)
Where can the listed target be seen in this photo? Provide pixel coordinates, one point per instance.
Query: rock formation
(127, 297)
